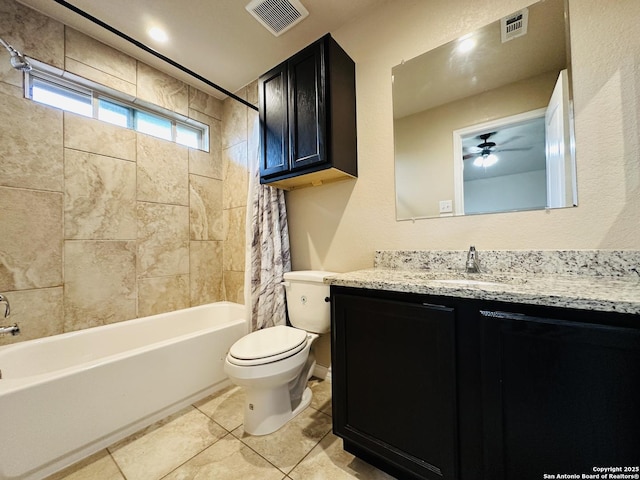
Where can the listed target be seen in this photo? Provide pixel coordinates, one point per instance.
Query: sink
(467, 282)
(463, 279)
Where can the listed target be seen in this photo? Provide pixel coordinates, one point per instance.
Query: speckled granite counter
(585, 279)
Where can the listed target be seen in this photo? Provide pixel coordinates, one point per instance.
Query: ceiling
(217, 39)
(445, 74)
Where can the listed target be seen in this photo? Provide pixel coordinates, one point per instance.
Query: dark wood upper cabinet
(308, 118)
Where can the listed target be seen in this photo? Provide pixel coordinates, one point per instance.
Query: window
(153, 125)
(114, 113)
(87, 100)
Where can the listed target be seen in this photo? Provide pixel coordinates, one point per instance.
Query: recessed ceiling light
(158, 34)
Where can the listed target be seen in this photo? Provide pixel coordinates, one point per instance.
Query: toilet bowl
(273, 365)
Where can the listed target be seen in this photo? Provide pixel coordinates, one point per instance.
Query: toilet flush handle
(285, 284)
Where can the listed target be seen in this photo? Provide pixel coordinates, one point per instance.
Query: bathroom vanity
(442, 374)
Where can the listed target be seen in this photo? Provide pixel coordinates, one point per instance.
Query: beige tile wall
(239, 147)
(101, 224)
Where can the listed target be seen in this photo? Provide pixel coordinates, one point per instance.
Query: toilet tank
(308, 300)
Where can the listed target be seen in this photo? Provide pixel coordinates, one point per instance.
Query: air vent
(277, 16)
(514, 25)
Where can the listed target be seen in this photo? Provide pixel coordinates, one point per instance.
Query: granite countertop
(612, 293)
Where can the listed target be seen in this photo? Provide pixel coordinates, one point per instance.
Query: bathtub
(65, 397)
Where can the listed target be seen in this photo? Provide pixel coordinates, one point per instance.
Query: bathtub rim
(9, 385)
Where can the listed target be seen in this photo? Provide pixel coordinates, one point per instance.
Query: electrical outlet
(446, 206)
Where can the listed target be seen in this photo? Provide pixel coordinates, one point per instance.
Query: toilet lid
(269, 344)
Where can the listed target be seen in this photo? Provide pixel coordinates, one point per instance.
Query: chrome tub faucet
(13, 329)
(7, 307)
(473, 263)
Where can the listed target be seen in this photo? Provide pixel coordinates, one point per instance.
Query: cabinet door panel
(559, 396)
(395, 371)
(307, 110)
(274, 153)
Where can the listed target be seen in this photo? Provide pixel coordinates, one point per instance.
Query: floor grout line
(228, 434)
(116, 463)
(201, 451)
(309, 452)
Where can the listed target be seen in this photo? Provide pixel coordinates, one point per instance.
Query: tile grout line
(113, 459)
(201, 451)
(226, 435)
(266, 459)
(309, 452)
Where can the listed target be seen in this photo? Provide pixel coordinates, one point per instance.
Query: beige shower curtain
(268, 255)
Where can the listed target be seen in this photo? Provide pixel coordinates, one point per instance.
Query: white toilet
(274, 364)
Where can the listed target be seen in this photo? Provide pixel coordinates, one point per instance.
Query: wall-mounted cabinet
(308, 118)
(444, 388)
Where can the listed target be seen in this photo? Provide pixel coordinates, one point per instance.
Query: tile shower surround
(102, 224)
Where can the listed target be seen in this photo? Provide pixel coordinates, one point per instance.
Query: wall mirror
(484, 123)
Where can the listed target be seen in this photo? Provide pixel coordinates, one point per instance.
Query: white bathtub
(65, 397)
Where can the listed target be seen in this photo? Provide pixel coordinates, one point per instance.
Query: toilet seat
(267, 345)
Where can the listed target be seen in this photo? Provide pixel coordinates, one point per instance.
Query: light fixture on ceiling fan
(484, 154)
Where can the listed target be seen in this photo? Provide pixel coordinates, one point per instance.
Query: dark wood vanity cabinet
(308, 118)
(396, 383)
(445, 388)
(559, 395)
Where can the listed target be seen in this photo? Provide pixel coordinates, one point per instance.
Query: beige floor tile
(96, 467)
(226, 408)
(329, 460)
(227, 459)
(287, 446)
(154, 452)
(321, 399)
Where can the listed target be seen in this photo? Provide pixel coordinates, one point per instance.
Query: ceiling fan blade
(470, 155)
(512, 149)
(512, 139)
(473, 149)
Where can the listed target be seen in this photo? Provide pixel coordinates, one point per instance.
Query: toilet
(274, 364)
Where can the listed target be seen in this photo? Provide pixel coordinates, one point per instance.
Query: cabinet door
(559, 396)
(307, 111)
(394, 384)
(274, 151)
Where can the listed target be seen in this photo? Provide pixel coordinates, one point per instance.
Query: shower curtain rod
(150, 50)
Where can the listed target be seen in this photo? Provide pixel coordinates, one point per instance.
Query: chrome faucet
(7, 307)
(13, 329)
(473, 264)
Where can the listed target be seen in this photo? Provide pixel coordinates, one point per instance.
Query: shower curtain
(268, 254)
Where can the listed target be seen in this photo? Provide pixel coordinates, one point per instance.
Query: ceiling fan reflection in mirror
(484, 154)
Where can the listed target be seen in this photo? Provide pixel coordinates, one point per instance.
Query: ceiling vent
(514, 25)
(277, 16)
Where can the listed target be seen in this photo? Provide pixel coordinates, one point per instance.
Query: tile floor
(206, 441)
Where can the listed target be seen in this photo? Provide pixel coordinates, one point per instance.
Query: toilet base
(266, 410)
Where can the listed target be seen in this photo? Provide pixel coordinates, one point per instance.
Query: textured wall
(102, 224)
(338, 227)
